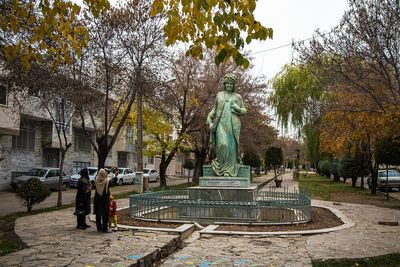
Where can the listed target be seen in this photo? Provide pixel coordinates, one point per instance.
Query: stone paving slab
(53, 240)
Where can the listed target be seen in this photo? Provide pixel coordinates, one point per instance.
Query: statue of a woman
(224, 123)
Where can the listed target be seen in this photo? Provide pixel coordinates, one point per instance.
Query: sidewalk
(53, 240)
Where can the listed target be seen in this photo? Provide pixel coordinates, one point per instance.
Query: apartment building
(28, 138)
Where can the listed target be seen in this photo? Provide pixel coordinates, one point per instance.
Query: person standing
(82, 200)
(101, 203)
(113, 214)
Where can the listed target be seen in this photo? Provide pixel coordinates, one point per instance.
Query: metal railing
(270, 207)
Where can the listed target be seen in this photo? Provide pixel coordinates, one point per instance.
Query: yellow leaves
(32, 22)
(215, 24)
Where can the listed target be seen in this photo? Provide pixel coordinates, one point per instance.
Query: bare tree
(361, 55)
(120, 63)
(50, 92)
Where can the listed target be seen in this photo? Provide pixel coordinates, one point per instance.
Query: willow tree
(298, 98)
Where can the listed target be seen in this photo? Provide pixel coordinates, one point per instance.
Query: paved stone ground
(53, 240)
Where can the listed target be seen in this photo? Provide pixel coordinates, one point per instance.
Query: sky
(291, 20)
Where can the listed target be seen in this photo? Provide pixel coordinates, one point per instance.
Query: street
(11, 204)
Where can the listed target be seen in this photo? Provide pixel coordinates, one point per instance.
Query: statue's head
(230, 81)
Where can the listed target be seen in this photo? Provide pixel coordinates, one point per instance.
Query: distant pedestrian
(113, 214)
(102, 201)
(82, 202)
(115, 179)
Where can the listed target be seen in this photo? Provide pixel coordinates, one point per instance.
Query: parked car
(393, 179)
(48, 176)
(151, 174)
(75, 177)
(125, 175)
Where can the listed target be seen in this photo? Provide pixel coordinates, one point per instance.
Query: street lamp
(139, 172)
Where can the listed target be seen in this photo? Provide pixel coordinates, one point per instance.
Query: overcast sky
(291, 20)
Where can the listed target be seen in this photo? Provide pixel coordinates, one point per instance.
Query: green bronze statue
(224, 123)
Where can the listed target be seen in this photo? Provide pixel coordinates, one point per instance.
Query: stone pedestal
(213, 187)
(210, 178)
(225, 193)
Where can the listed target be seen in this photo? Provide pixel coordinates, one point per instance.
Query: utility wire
(278, 47)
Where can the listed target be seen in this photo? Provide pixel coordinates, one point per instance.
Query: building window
(179, 158)
(77, 166)
(3, 94)
(122, 159)
(81, 141)
(26, 138)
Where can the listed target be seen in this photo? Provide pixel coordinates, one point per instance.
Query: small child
(113, 213)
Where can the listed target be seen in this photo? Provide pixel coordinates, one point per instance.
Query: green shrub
(251, 159)
(333, 168)
(323, 166)
(31, 192)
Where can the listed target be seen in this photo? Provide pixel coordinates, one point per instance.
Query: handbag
(79, 212)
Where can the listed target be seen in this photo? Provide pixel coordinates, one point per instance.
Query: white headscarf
(101, 181)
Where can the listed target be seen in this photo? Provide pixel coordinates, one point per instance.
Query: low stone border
(183, 231)
(347, 223)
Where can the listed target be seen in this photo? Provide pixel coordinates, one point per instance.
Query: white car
(75, 177)
(125, 175)
(393, 179)
(151, 174)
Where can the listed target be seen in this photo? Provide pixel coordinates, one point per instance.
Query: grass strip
(388, 260)
(324, 188)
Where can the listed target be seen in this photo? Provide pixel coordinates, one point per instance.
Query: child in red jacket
(113, 213)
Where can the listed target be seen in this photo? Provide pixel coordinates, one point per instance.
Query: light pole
(139, 172)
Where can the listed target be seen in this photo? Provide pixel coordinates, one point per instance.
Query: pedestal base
(210, 178)
(226, 193)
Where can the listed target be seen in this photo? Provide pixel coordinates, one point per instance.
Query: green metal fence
(270, 207)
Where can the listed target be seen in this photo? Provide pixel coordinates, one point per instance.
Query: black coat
(82, 200)
(101, 204)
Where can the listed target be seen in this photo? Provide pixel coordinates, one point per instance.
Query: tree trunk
(102, 152)
(362, 182)
(163, 170)
(374, 176)
(60, 178)
(29, 207)
(353, 181)
(200, 156)
(336, 178)
(387, 184)
(344, 180)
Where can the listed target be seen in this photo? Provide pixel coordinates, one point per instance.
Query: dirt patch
(321, 218)
(378, 200)
(125, 219)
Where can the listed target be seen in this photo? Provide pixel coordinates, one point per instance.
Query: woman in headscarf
(82, 202)
(102, 200)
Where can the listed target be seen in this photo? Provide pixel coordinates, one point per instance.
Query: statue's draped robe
(225, 134)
